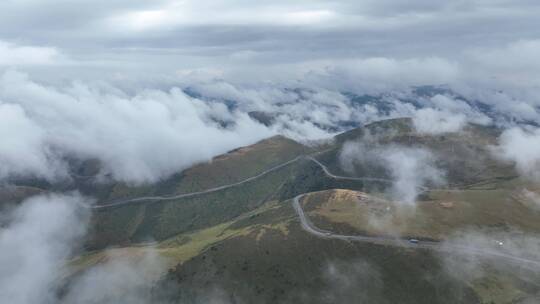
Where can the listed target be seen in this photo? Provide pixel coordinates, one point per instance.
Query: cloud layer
(38, 237)
(138, 138)
(107, 80)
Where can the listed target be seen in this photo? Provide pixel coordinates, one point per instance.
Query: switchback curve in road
(141, 199)
(308, 226)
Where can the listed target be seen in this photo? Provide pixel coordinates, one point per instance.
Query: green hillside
(264, 256)
(153, 220)
(465, 156)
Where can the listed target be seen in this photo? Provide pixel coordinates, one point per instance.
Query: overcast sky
(167, 36)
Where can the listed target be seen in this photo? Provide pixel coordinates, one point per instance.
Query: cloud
(37, 238)
(25, 152)
(374, 75)
(368, 47)
(470, 255)
(15, 55)
(174, 14)
(313, 107)
(430, 121)
(522, 147)
(138, 139)
(450, 112)
(530, 199)
(407, 40)
(411, 169)
(351, 282)
(121, 279)
(516, 62)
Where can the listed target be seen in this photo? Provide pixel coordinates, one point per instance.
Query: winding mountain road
(142, 199)
(308, 226)
(331, 175)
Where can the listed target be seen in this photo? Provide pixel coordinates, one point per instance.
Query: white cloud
(466, 253)
(144, 20)
(36, 240)
(351, 282)
(379, 74)
(519, 57)
(171, 15)
(15, 55)
(306, 17)
(430, 121)
(521, 146)
(530, 199)
(23, 150)
(138, 139)
(411, 169)
(120, 279)
(39, 237)
(300, 115)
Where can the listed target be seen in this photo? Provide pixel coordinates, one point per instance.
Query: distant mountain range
(385, 106)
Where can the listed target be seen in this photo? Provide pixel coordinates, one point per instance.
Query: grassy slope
(263, 256)
(464, 156)
(184, 246)
(444, 214)
(240, 164)
(274, 261)
(231, 167)
(161, 220)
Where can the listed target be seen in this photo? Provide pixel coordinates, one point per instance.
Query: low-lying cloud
(522, 147)
(142, 135)
(469, 255)
(430, 121)
(147, 135)
(121, 279)
(410, 169)
(36, 240)
(24, 153)
(352, 282)
(137, 139)
(530, 199)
